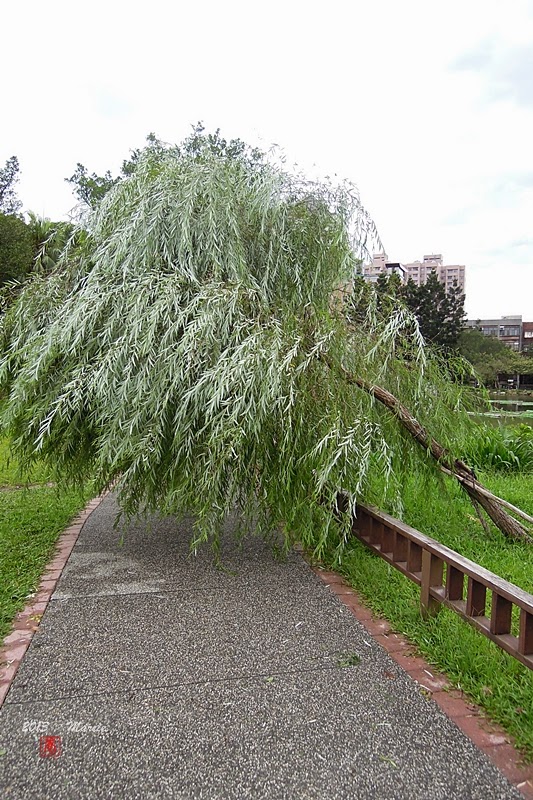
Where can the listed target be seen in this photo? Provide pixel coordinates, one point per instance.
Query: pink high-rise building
(448, 274)
(381, 265)
(417, 271)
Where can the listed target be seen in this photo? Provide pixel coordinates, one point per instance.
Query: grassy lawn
(10, 474)
(498, 683)
(30, 522)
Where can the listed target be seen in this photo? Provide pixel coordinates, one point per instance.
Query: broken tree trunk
(492, 505)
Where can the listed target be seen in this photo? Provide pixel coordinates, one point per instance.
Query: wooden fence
(447, 578)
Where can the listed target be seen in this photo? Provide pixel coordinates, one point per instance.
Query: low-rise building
(507, 329)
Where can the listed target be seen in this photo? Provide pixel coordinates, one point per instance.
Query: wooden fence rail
(447, 578)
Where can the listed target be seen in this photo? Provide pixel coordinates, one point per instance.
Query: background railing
(490, 604)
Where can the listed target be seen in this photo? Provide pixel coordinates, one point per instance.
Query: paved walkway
(167, 678)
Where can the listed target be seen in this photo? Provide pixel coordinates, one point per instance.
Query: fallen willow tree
(195, 350)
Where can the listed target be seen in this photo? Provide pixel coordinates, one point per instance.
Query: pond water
(516, 409)
(516, 404)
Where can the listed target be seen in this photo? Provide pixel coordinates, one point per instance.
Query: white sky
(426, 106)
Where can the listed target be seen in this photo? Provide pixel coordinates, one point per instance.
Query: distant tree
(199, 144)
(27, 249)
(523, 363)
(9, 175)
(475, 345)
(487, 354)
(388, 292)
(440, 314)
(455, 313)
(90, 189)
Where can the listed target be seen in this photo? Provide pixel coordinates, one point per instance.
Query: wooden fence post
(432, 574)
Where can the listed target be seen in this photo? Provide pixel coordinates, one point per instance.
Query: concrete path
(167, 678)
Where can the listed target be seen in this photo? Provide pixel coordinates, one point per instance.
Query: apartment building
(448, 274)
(379, 265)
(417, 271)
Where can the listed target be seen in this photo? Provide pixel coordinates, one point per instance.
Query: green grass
(30, 523)
(496, 681)
(10, 474)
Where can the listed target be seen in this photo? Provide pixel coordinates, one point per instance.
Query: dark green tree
(490, 357)
(27, 249)
(9, 175)
(90, 189)
(454, 314)
(388, 292)
(16, 249)
(440, 314)
(475, 345)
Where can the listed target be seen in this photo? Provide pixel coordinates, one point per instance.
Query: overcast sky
(426, 106)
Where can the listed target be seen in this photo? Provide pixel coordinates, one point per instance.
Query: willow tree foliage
(193, 351)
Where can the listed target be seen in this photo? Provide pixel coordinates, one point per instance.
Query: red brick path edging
(496, 743)
(27, 621)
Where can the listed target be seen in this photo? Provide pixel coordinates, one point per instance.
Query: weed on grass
(348, 660)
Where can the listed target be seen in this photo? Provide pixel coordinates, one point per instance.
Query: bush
(16, 248)
(501, 449)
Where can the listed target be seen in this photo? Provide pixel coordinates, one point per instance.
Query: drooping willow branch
(492, 505)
